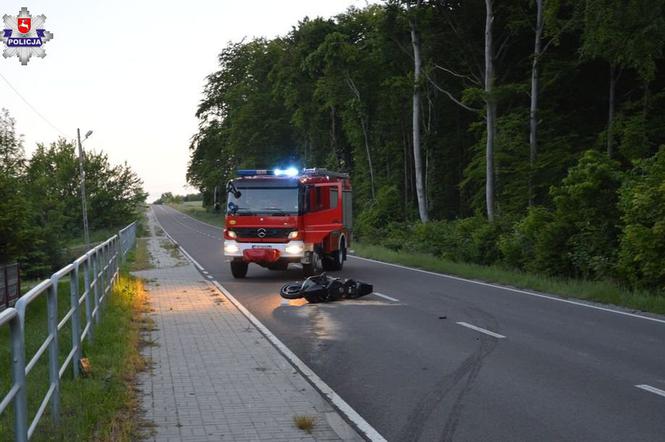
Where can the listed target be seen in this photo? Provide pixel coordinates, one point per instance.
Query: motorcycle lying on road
(324, 288)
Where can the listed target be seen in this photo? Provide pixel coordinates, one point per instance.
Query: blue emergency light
(290, 172)
(252, 172)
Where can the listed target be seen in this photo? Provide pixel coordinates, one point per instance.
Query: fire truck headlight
(294, 234)
(231, 234)
(294, 249)
(230, 247)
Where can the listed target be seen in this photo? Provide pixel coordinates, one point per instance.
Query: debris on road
(324, 288)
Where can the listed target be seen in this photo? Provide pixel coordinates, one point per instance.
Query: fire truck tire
(314, 267)
(239, 269)
(335, 261)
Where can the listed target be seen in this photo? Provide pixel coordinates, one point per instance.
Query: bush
(373, 220)
(642, 243)
(477, 240)
(470, 239)
(435, 237)
(521, 245)
(577, 238)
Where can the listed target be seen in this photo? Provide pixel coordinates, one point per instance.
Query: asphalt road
(415, 367)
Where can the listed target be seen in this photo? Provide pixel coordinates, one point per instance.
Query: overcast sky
(133, 71)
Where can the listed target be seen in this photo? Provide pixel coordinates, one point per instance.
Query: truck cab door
(323, 212)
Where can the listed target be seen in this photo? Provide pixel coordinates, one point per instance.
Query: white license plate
(260, 246)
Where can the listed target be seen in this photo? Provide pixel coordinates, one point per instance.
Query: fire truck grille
(263, 233)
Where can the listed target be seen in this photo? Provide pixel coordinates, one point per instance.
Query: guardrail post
(6, 288)
(121, 256)
(104, 267)
(76, 319)
(117, 257)
(16, 332)
(121, 246)
(88, 289)
(97, 282)
(114, 260)
(54, 372)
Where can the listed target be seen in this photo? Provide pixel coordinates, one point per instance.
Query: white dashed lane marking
(389, 298)
(651, 389)
(481, 330)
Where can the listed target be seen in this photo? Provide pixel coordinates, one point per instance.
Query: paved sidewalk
(215, 376)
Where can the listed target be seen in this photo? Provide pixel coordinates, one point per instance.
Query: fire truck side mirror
(231, 188)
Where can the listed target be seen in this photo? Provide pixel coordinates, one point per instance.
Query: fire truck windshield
(264, 201)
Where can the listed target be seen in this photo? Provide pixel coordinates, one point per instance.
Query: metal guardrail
(95, 273)
(10, 285)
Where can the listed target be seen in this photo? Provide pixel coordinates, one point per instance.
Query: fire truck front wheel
(239, 269)
(335, 261)
(313, 267)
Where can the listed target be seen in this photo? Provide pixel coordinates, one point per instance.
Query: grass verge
(103, 405)
(599, 291)
(196, 210)
(141, 257)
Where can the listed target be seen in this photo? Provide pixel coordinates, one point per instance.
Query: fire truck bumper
(264, 252)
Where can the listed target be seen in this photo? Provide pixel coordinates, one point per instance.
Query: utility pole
(84, 204)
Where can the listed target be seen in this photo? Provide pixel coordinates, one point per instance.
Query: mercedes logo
(261, 232)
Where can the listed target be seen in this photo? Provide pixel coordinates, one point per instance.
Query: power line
(32, 107)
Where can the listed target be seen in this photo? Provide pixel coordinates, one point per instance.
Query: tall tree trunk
(610, 111)
(417, 160)
(491, 112)
(363, 125)
(406, 176)
(533, 113)
(333, 139)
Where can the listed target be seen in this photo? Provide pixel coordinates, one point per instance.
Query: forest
(523, 133)
(40, 200)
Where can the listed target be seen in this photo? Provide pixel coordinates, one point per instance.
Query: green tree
(626, 34)
(13, 203)
(642, 203)
(339, 93)
(586, 208)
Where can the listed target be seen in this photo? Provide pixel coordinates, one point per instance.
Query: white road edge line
(651, 389)
(385, 296)
(340, 403)
(199, 266)
(537, 295)
(197, 220)
(481, 330)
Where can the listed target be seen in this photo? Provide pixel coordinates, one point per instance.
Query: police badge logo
(24, 36)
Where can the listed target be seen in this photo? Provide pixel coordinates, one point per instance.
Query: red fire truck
(277, 217)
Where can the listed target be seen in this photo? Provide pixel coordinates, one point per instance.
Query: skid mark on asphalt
(462, 378)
